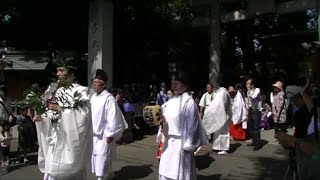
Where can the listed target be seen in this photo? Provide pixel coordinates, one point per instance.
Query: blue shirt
(162, 98)
(127, 107)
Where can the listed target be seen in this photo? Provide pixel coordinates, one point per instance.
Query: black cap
(183, 77)
(68, 64)
(101, 75)
(184, 73)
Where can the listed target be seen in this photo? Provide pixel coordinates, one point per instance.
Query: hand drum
(152, 115)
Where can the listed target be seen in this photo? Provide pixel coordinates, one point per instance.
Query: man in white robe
(204, 104)
(108, 124)
(64, 131)
(183, 133)
(217, 120)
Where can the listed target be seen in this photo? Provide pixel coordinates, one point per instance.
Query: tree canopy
(149, 34)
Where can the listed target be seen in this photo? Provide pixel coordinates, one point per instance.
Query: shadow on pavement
(18, 163)
(264, 169)
(133, 172)
(210, 177)
(144, 129)
(203, 161)
(264, 142)
(234, 147)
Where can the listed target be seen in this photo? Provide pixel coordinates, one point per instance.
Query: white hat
(278, 85)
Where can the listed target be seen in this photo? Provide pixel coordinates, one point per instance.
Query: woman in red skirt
(239, 116)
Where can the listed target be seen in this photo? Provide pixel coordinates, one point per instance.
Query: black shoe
(250, 144)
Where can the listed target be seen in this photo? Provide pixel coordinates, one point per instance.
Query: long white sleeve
(116, 123)
(193, 134)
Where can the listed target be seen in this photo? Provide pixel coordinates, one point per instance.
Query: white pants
(221, 139)
(47, 177)
(101, 165)
(176, 163)
(164, 178)
(81, 175)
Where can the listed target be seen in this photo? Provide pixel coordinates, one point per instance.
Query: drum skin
(152, 115)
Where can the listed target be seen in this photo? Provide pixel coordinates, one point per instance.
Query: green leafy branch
(36, 102)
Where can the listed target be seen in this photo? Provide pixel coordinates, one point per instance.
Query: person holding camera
(310, 145)
(254, 113)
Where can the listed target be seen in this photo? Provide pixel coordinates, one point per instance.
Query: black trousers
(254, 125)
(280, 127)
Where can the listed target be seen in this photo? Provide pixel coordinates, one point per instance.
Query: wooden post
(100, 39)
(215, 40)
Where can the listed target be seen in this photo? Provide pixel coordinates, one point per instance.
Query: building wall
(18, 82)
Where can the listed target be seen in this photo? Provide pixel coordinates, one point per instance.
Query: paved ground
(137, 161)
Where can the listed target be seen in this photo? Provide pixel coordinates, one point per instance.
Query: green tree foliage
(152, 32)
(146, 32)
(33, 25)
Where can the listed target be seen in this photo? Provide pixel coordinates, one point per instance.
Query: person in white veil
(217, 120)
(239, 115)
(64, 131)
(183, 133)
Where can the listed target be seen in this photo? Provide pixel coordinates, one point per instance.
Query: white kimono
(217, 120)
(184, 134)
(107, 121)
(239, 111)
(64, 145)
(42, 128)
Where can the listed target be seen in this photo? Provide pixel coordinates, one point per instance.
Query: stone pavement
(137, 161)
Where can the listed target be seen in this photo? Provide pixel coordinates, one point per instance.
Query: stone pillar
(100, 39)
(215, 40)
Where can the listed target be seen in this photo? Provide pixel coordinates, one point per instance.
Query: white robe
(217, 120)
(239, 111)
(107, 121)
(64, 146)
(42, 128)
(184, 134)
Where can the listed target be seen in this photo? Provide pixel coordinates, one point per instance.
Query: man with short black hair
(206, 99)
(254, 114)
(162, 96)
